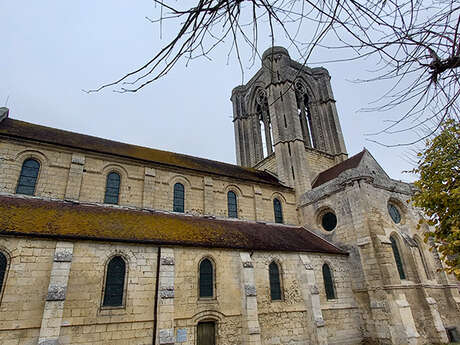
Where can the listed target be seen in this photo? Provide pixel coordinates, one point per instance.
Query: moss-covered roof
(25, 130)
(25, 216)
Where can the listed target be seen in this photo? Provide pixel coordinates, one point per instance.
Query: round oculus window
(329, 221)
(394, 213)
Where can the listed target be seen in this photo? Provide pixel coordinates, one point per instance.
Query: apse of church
(104, 242)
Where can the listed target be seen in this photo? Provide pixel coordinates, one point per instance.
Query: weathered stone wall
(268, 163)
(82, 176)
(319, 161)
(31, 306)
(413, 310)
(85, 320)
(25, 289)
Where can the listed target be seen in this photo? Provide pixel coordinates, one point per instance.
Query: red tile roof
(336, 170)
(25, 216)
(42, 134)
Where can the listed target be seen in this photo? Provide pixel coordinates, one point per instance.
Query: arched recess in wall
(115, 281)
(111, 185)
(180, 193)
(396, 248)
(328, 280)
(275, 280)
(423, 259)
(262, 113)
(5, 260)
(31, 173)
(233, 201)
(112, 188)
(207, 278)
(303, 97)
(278, 206)
(28, 177)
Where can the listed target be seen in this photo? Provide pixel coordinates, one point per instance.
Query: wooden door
(206, 333)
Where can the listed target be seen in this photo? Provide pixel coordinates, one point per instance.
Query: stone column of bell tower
(288, 141)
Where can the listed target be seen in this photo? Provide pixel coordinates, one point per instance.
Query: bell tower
(284, 116)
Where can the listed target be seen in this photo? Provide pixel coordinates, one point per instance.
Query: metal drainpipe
(155, 308)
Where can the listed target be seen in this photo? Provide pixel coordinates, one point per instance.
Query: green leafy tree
(438, 193)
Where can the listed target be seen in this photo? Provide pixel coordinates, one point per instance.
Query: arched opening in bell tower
(303, 109)
(263, 115)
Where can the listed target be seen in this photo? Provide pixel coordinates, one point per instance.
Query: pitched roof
(26, 216)
(25, 130)
(336, 170)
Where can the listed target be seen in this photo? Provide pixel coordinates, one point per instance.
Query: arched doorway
(206, 333)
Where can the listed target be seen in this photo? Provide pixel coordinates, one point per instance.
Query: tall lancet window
(305, 115)
(397, 256)
(264, 118)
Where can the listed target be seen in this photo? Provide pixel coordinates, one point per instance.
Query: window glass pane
(179, 198)
(232, 205)
(398, 260)
(28, 177)
(328, 283)
(329, 221)
(206, 279)
(275, 285)
(112, 188)
(278, 211)
(115, 282)
(394, 213)
(3, 265)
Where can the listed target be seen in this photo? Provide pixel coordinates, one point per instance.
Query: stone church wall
(427, 300)
(84, 321)
(80, 176)
(25, 289)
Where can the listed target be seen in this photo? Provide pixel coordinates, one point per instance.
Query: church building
(107, 243)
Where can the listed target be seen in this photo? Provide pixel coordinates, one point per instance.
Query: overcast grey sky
(51, 50)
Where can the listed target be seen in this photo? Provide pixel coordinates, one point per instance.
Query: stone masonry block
(56, 293)
(78, 159)
(63, 255)
(250, 290)
(166, 336)
(167, 261)
(248, 264)
(167, 292)
(150, 172)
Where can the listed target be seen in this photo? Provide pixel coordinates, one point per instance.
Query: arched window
(278, 211)
(328, 283)
(232, 205)
(3, 267)
(114, 282)
(28, 177)
(179, 197)
(397, 256)
(275, 281)
(112, 188)
(206, 278)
